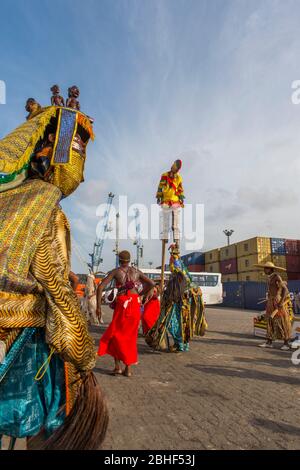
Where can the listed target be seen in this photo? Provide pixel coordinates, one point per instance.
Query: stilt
(12, 443)
(163, 262)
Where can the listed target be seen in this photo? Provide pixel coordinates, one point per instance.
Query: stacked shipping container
(236, 262)
(195, 262)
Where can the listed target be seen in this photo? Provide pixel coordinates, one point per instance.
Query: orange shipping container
(228, 252)
(246, 263)
(212, 268)
(253, 246)
(212, 256)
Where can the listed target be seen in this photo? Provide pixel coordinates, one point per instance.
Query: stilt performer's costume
(47, 389)
(182, 310)
(170, 197)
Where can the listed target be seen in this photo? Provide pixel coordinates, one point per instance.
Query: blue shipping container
(194, 258)
(249, 295)
(278, 246)
(233, 294)
(254, 294)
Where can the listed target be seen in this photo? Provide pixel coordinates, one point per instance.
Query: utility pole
(228, 234)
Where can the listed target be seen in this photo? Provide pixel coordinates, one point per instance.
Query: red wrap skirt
(120, 338)
(150, 315)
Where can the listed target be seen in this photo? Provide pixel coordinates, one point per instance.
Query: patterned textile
(65, 133)
(28, 404)
(66, 325)
(23, 212)
(182, 319)
(176, 328)
(17, 147)
(170, 190)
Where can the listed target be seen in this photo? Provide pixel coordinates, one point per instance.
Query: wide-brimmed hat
(269, 265)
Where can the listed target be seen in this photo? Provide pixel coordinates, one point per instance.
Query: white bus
(210, 284)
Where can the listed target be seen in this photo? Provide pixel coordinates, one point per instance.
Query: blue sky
(208, 81)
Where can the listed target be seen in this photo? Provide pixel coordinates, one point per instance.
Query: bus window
(205, 280)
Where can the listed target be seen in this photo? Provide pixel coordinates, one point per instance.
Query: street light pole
(228, 234)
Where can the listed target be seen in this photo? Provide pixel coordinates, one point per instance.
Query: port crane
(138, 240)
(96, 256)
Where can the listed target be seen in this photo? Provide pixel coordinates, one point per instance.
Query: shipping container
(233, 295)
(228, 252)
(246, 263)
(293, 263)
(229, 266)
(252, 276)
(229, 278)
(212, 268)
(292, 247)
(194, 258)
(293, 276)
(196, 268)
(278, 246)
(253, 246)
(254, 295)
(279, 260)
(258, 276)
(212, 256)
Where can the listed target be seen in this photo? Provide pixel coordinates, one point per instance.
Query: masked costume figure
(182, 310)
(48, 393)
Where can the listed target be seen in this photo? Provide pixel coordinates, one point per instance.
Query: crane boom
(96, 256)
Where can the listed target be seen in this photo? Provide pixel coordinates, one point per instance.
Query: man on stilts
(170, 196)
(182, 308)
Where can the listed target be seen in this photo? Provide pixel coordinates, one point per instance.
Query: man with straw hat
(277, 312)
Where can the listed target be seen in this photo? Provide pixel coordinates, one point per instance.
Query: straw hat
(269, 265)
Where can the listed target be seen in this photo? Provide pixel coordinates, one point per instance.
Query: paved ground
(226, 393)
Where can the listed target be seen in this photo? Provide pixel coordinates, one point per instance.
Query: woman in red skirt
(120, 338)
(151, 311)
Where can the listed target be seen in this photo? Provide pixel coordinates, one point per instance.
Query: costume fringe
(43, 119)
(86, 425)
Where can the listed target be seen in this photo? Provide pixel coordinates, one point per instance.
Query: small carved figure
(32, 107)
(56, 99)
(72, 101)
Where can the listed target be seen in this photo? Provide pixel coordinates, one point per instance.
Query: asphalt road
(226, 393)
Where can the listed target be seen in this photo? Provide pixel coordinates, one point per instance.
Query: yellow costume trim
(45, 366)
(16, 148)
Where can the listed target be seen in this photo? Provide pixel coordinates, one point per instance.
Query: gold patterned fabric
(24, 212)
(17, 147)
(66, 326)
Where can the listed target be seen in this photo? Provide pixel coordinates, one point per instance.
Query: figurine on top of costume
(56, 99)
(73, 94)
(47, 388)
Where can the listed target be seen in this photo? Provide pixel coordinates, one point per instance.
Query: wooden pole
(163, 262)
